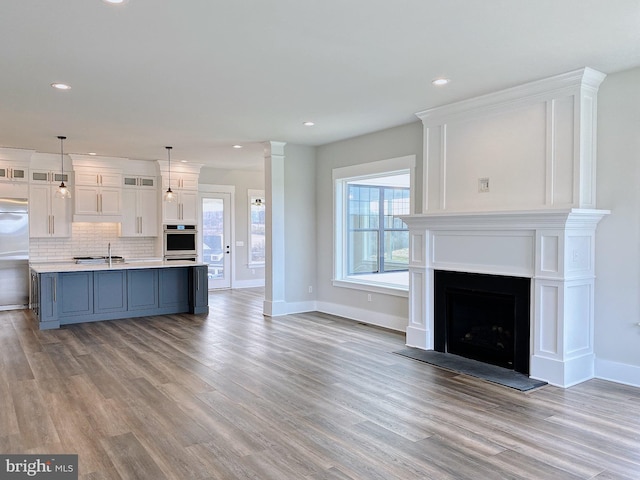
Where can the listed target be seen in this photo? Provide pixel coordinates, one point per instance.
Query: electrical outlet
(368, 297)
(483, 185)
(310, 289)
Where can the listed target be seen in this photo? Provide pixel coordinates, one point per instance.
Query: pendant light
(62, 191)
(169, 196)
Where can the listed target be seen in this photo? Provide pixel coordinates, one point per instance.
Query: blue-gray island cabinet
(62, 295)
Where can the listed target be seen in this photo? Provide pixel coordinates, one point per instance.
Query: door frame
(206, 191)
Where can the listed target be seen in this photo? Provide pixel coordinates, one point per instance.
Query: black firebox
(483, 317)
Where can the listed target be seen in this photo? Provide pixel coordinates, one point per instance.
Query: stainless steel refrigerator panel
(14, 253)
(14, 284)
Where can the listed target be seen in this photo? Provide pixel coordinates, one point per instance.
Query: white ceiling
(202, 75)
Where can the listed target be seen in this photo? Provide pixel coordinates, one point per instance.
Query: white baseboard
(258, 282)
(618, 372)
(391, 322)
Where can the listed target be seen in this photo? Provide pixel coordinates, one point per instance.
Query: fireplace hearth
(483, 317)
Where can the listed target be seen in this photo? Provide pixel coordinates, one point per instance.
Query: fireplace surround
(554, 248)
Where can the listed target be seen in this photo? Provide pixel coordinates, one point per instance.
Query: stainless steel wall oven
(180, 242)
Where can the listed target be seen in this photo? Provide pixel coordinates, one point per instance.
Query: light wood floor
(236, 395)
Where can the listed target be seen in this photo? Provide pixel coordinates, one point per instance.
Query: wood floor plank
(236, 395)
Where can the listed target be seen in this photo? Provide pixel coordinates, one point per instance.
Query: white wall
(617, 295)
(243, 180)
(386, 310)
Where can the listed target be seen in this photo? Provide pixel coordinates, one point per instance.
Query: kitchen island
(63, 294)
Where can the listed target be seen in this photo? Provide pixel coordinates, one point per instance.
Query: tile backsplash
(91, 239)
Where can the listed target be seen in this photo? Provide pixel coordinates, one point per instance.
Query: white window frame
(251, 195)
(341, 177)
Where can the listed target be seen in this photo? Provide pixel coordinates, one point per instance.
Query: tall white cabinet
(49, 215)
(140, 197)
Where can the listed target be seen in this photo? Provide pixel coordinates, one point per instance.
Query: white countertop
(130, 265)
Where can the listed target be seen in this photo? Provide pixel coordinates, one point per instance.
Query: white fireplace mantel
(553, 247)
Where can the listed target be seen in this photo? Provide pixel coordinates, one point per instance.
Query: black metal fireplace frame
(518, 287)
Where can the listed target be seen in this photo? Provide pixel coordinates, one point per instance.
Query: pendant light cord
(169, 156)
(62, 157)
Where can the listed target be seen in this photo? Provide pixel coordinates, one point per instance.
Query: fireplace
(483, 317)
(553, 250)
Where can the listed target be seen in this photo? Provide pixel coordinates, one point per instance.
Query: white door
(216, 238)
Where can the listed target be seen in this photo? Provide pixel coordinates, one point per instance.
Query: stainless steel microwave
(180, 241)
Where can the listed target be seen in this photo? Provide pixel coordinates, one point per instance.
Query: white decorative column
(274, 302)
(563, 298)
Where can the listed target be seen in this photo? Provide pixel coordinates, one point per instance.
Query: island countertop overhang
(131, 265)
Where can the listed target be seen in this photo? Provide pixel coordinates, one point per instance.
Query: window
(377, 239)
(371, 240)
(256, 228)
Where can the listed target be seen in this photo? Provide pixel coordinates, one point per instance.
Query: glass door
(216, 239)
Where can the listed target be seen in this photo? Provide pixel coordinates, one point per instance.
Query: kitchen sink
(98, 260)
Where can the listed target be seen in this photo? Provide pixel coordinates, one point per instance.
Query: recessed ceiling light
(61, 86)
(183, 161)
(115, 2)
(440, 81)
(237, 146)
(92, 153)
(308, 124)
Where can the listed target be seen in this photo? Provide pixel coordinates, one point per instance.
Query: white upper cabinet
(14, 172)
(98, 189)
(49, 215)
(184, 183)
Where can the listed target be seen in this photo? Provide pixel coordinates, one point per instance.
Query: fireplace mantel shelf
(511, 219)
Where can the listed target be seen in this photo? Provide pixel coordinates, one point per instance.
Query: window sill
(375, 287)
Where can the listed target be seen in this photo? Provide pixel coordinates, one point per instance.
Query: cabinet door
(199, 290)
(148, 212)
(170, 211)
(110, 179)
(109, 291)
(19, 174)
(174, 288)
(110, 201)
(48, 296)
(142, 289)
(60, 215)
(87, 177)
(130, 224)
(86, 200)
(189, 206)
(40, 176)
(75, 293)
(39, 211)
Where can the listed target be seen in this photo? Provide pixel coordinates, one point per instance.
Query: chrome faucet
(109, 253)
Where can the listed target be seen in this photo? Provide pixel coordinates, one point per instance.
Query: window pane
(257, 234)
(363, 252)
(213, 235)
(396, 250)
